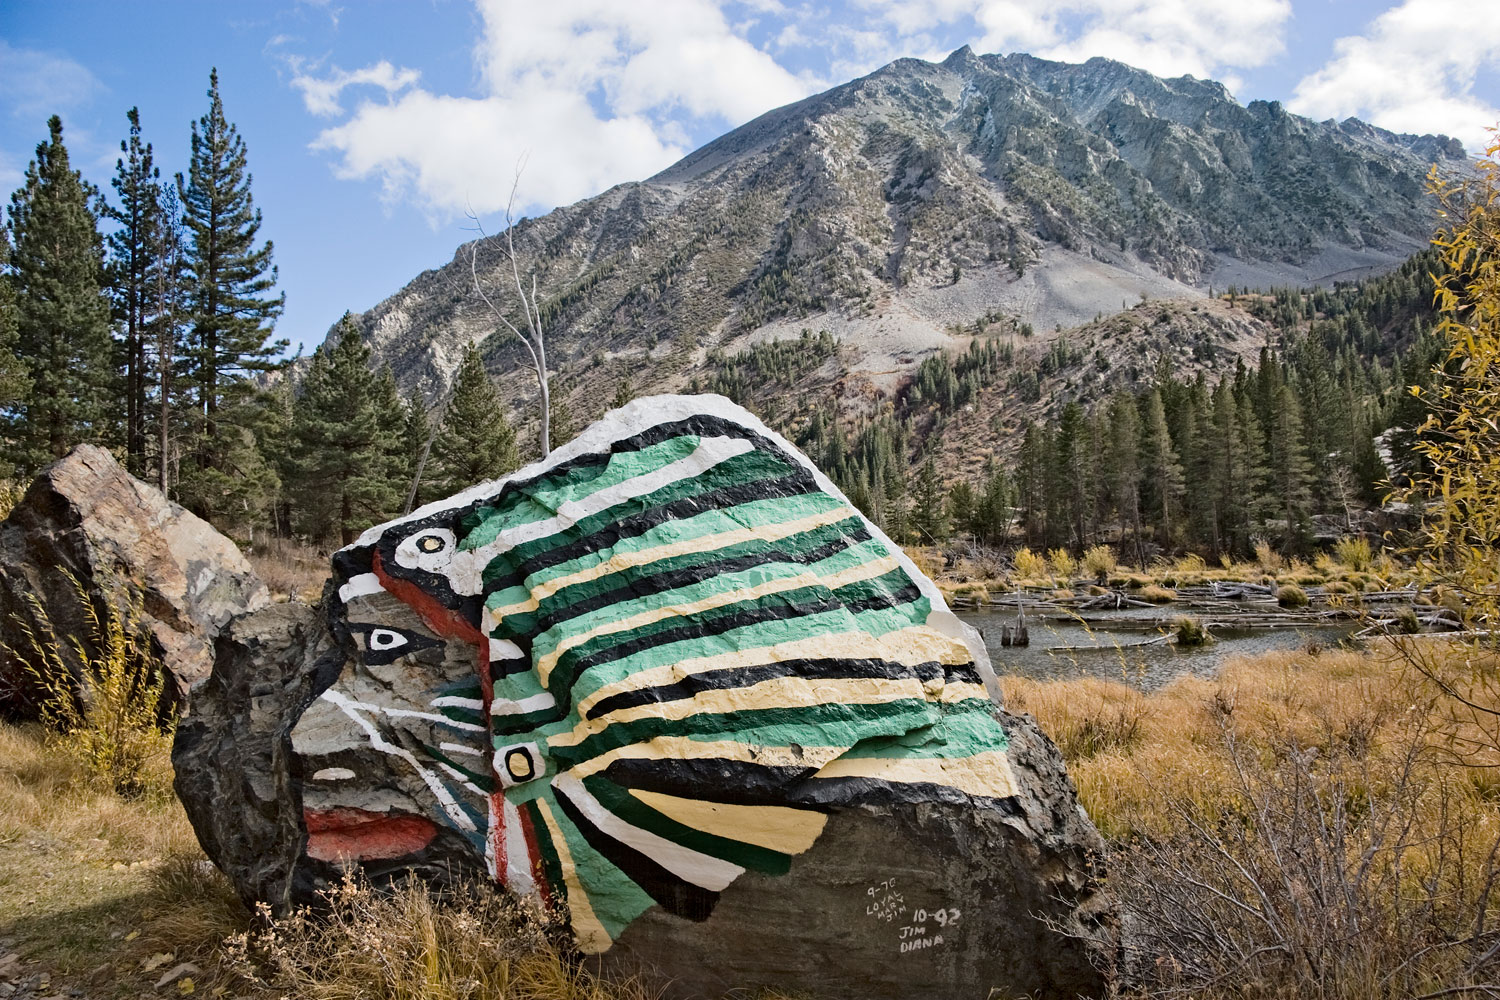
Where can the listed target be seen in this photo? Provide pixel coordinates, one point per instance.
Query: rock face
(671, 682)
(86, 516)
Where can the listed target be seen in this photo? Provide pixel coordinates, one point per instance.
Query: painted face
(627, 676)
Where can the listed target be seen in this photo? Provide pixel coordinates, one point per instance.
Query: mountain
(906, 210)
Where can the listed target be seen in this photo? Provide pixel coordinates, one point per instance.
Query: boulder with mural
(672, 683)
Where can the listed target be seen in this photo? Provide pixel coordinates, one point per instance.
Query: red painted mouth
(348, 834)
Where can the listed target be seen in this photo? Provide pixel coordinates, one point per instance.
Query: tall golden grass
(1324, 826)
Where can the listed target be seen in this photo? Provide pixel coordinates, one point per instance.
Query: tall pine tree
(232, 311)
(476, 441)
(344, 477)
(136, 256)
(62, 309)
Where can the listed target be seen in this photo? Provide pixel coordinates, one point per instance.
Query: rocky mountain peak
(897, 207)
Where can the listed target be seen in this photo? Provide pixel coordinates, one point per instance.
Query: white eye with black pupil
(382, 639)
(430, 550)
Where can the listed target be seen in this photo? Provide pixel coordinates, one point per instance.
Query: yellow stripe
(854, 574)
(685, 748)
(779, 692)
(987, 773)
(708, 543)
(908, 647)
(592, 937)
(776, 828)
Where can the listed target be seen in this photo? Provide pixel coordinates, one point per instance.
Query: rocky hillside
(897, 210)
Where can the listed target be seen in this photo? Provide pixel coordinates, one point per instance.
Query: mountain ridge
(897, 207)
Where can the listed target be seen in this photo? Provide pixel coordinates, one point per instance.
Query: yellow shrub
(1063, 563)
(1029, 565)
(1099, 562)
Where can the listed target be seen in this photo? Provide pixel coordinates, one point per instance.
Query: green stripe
(756, 636)
(830, 724)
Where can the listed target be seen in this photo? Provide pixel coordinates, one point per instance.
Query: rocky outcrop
(670, 681)
(86, 519)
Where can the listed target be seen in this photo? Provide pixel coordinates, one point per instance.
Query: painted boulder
(672, 682)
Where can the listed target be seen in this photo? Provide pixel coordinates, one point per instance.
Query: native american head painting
(626, 675)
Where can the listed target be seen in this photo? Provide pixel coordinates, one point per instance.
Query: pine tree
(416, 445)
(230, 278)
(62, 309)
(928, 517)
(1291, 471)
(344, 445)
(476, 441)
(14, 384)
(136, 256)
(624, 393)
(1161, 470)
(1125, 442)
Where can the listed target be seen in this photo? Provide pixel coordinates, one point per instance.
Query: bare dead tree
(533, 339)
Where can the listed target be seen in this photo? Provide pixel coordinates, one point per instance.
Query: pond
(1119, 646)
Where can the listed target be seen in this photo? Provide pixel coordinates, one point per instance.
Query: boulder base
(86, 516)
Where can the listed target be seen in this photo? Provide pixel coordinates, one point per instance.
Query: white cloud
(1166, 37)
(321, 94)
(36, 84)
(592, 92)
(1413, 70)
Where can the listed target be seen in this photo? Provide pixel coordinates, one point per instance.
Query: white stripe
(460, 748)
(517, 854)
(535, 703)
(461, 778)
(350, 707)
(360, 586)
(406, 713)
(333, 774)
(454, 701)
(465, 572)
(700, 869)
(504, 649)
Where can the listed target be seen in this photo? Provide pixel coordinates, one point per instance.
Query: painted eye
(517, 764)
(383, 639)
(383, 644)
(430, 549)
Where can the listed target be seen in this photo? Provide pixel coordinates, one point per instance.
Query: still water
(1110, 645)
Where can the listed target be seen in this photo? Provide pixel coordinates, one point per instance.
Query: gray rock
(86, 516)
(235, 772)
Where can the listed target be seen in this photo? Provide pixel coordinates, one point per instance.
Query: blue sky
(374, 126)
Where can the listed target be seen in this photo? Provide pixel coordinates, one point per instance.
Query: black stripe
(687, 575)
(746, 783)
(733, 677)
(676, 896)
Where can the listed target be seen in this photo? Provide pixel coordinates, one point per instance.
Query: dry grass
(1302, 825)
(406, 944)
(290, 570)
(92, 884)
(1156, 594)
